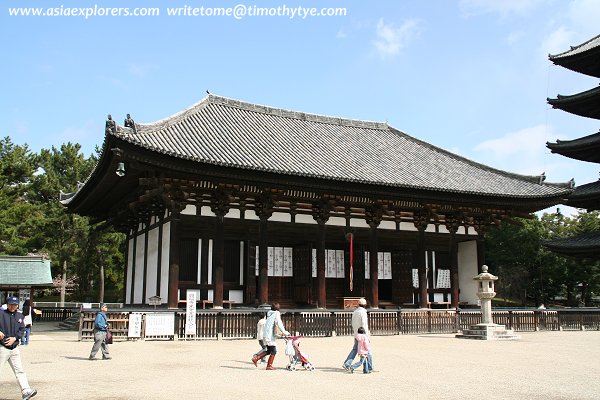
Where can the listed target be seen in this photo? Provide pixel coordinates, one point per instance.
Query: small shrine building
(244, 203)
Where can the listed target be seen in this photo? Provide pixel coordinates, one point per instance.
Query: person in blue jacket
(11, 331)
(100, 328)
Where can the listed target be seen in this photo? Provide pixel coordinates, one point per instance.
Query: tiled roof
(582, 48)
(584, 58)
(586, 148)
(586, 196)
(584, 104)
(231, 133)
(586, 244)
(25, 271)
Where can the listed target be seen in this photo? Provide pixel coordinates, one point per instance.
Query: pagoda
(584, 59)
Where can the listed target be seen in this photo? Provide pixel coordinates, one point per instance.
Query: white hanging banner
(190, 313)
(135, 325)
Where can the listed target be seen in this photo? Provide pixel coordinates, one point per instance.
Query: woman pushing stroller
(273, 321)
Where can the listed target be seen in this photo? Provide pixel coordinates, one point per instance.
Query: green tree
(532, 274)
(17, 215)
(63, 236)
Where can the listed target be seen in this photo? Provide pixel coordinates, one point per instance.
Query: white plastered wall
(129, 278)
(139, 270)
(152, 267)
(164, 264)
(467, 270)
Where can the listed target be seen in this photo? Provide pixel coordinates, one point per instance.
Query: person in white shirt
(359, 319)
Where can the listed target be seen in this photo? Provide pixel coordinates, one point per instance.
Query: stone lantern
(486, 293)
(487, 330)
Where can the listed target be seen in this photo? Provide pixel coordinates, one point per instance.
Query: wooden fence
(241, 324)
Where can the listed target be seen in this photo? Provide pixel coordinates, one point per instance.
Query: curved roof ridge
(589, 44)
(529, 178)
(275, 111)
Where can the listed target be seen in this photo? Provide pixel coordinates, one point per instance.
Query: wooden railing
(241, 323)
(50, 314)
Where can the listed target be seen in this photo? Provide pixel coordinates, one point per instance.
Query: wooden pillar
(373, 266)
(481, 224)
(321, 211)
(421, 220)
(219, 261)
(452, 224)
(220, 206)
(250, 275)
(263, 209)
(373, 216)
(173, 300)
(263, 261)
(480, 252)
(322, 292)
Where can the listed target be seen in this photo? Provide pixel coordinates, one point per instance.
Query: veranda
(241, 323)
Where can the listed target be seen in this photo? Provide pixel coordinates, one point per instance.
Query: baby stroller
(297, 359)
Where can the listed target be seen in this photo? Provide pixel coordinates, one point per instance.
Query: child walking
(259, 336)
(363, 348)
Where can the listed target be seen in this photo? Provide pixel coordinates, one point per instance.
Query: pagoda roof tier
(584, 58)
(584, 104)
(586, 148)
(220, 139)
(586, 245)
(586, 196)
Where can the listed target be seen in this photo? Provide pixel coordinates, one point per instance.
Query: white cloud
(77, 135)
(390, 40)
(585, 14)
(515, 37)
(557, 42)
(341, 34)
(137, 70)
(527, 142)
(471, 8)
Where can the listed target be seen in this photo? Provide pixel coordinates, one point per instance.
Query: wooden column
(173, 261)
(321, 212)
(322, 285)
(219, 262)
(421, 220)
(480, 224)
(263, 261)
(264, 210)
(373, 215)
(373, 266)
(452, 224)
(250, 274)
(220, 206)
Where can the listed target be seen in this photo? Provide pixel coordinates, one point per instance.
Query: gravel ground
(541, 365)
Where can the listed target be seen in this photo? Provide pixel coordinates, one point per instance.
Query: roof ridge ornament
(110, 126)
(130, 123)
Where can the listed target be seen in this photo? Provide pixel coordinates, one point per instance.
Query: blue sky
(470, 76)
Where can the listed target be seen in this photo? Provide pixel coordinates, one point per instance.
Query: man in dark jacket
(11, 331)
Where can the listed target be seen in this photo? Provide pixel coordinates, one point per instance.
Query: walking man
(11, 331)
(100, 328)
(359, 319)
